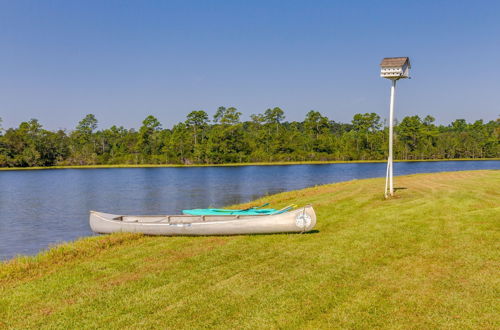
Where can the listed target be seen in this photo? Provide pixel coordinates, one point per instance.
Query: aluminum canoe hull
(295, 221)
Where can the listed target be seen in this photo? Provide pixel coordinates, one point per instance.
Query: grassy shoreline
(428, 258)
(231, 164)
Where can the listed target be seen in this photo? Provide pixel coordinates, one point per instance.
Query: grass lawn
(429, 258)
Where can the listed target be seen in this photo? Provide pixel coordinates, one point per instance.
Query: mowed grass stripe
(425, 259)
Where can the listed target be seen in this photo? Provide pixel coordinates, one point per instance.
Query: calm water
(42, 208)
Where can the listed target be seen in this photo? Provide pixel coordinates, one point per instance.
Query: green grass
(228, 164)
(427, 259)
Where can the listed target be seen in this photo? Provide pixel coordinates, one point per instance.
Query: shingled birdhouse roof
(395, 62)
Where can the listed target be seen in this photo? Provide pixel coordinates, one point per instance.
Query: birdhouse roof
(394, 61)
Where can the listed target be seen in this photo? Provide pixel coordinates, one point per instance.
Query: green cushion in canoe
(228, 212)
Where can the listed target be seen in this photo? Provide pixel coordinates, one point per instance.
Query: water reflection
(40, 208)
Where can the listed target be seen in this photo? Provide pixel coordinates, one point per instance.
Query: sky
(125, 60)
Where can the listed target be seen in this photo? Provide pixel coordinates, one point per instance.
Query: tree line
(267, 137)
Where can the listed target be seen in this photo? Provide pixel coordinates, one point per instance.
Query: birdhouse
(395, 68)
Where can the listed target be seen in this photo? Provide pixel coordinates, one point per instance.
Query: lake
(43, 208)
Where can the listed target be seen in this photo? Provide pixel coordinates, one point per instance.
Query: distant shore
(65, 167)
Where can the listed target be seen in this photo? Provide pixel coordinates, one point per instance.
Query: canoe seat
(130, 219)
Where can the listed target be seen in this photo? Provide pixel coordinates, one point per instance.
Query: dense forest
(267, 137)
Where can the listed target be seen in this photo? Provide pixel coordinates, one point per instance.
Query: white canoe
(296, 221)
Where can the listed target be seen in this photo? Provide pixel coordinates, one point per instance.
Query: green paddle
(247, 209)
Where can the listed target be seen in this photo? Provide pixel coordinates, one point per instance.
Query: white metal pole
(386, 179)
(391, 122)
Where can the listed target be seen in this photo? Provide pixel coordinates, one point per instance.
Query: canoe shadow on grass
(314, 231)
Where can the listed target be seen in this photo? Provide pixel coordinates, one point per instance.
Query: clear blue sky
(124, 60)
